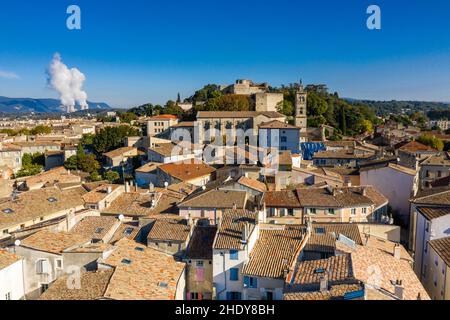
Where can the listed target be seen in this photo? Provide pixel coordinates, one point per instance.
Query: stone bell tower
(300, 108)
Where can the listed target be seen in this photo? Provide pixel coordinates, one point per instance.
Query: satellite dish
(17, 243)
(121, 217)
(204, 188)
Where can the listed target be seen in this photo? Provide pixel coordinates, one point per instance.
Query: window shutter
(246, 282)
(200, 297)
(45, 267)
(200, 274)
(228, 295)
(188, 295)
(255, 282)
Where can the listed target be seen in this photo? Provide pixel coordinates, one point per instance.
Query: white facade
(395, 185)
(11, 282)
(282, 139)
(222, 264)
(427, 230)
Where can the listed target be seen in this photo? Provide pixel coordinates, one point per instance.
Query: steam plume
(68, 83)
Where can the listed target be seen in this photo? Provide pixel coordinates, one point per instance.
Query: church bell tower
(300, 107)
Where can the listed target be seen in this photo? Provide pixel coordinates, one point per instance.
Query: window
(5, 231)
(250, 282)
(290, 212)
(436, 262)
(234, 295)
(320, 230)
(59, 263)
(199, 263)
(169, 244)
(234, 274)
(194, 296)
(42, 266)
(44, 287)
(312, 211)
(426, 247)
(269, 295)
(8, 296)
(331, 211)
(439, 174)
(234, 255)
(283, 139)
(128, 231)
(427, 228)
(353, 212)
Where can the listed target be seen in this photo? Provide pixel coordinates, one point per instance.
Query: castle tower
(300, 108)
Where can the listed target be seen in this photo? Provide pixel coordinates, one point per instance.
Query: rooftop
(7, 258)
(274, 252)
(253, 184)
(216, 199)
(238, 114)
(53, 242)
(434, 212)
(93, 287)
(120, 151)
(39, 203)
(154, 274)
(187, 171)
(414, 146)
(442, 248)
(99, 193)
(169, 230)
(231, 228)
(276, 124)
(95, 228)
(200, 245)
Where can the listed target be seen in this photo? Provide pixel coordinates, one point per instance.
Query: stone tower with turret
(300, 108)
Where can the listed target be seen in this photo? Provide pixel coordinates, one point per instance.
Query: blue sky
(140, 51)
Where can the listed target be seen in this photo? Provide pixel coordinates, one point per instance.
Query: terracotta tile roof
(93, 286)
(253, 184)
(53, 242)
(127, 230)
(338, 270)
(95, 228)
(140, 204)
(343, 143)
(376, 196)
(434, 196)
(186, 171)
(274, 252)
(99, 193)
(441, 159)
(98, 247)
(434, 212)
(386, 246)
(141, 273)
(442, 248)
(7, 258)
(349, 230)
(164, 116)
(332, 197)
(367, 261)
(35, 204)
(415, 146)
(325, 243)
(200, 245)
(56, 175)
(336, 292)
(239, 114)
(284, 198)
(276, 124)
(216, 199)
(342, 154)
(229, 233)
(170, 149)
(169, 230)
(149, 167)
(120, 151)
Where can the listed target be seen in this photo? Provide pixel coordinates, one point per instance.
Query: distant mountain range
(25, 105)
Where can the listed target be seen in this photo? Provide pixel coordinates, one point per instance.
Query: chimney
(109, 190)
(127, 187)
(151, 187)
(364, 191)
(397, 252)
(323, 284)
(234, 206)
(348, 182)
(399, 290)
(245, 233)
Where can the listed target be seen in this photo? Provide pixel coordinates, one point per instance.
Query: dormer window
(52, 199)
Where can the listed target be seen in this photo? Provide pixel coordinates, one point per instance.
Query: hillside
(23, 105)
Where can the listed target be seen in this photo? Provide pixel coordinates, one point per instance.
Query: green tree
(111, 176)
(111, 138)
(41, 129)
(71, 163)
(127, 117)
(95, 176)
(431, 141)
(88, 163)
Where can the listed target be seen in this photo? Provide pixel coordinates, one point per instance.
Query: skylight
(8, 211)
(163, 284)
(128, 231)
(126, 261)
(52, 199)
(320, 230)
(139, 249)
(319, 270)
(98, 230)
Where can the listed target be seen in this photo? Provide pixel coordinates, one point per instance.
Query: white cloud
(8, 75)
